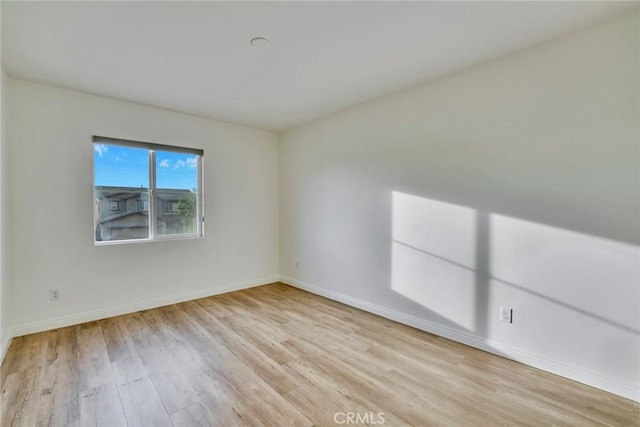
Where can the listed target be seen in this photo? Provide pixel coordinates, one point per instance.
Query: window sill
(166, 238)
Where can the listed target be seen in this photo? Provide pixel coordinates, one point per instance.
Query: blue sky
(129, 167)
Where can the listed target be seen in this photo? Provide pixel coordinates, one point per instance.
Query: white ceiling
(195, 57)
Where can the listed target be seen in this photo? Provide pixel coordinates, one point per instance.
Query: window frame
(153, 203)
(142, 204)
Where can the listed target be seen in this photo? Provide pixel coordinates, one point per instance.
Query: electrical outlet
(55, 294)
(297, 265)
(506, 314)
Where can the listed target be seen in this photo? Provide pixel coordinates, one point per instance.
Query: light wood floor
(275, 356)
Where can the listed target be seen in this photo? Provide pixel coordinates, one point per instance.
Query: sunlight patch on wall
(433, 256)
(442, 229)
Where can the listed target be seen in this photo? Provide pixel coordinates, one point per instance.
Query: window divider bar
(152, 195)
(199, 204)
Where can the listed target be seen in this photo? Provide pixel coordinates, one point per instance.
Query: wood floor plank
(51, 415)
(270, 346)
(62, 346)
(275, 355)
(117, 339)
(269, 370)
(33, 352)
(267, 405)
(59, 403)
(174, 388)
(142, 405)
(101, 406)
(129, 370)
(221, 401)
(191, 416)
(20, 397)
(93, 359)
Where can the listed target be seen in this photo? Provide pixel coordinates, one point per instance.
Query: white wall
(5, 330)
(51, 210)
(513, 183)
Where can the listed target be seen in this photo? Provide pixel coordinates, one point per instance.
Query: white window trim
(153, 202)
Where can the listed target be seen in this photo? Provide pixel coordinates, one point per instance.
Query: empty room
(320, 213)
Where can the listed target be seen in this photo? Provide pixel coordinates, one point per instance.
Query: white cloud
(164, 163)
(179, 164)
(192, 162)
(101, 149)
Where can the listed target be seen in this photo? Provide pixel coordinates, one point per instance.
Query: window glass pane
(176, 194)
(121, 190)
(118, 166)
(176, 171)
(176, 212)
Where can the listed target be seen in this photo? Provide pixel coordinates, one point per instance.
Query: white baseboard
(74, 319)
(4, 345)
(628, 391)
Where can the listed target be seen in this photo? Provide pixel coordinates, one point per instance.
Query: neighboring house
(123, 212)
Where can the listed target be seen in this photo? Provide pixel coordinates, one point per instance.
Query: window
(157, 191)
(143, 205)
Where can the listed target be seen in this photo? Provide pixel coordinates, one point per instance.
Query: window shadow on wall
(461, 264)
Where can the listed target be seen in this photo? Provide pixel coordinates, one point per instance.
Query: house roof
(121, 215)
